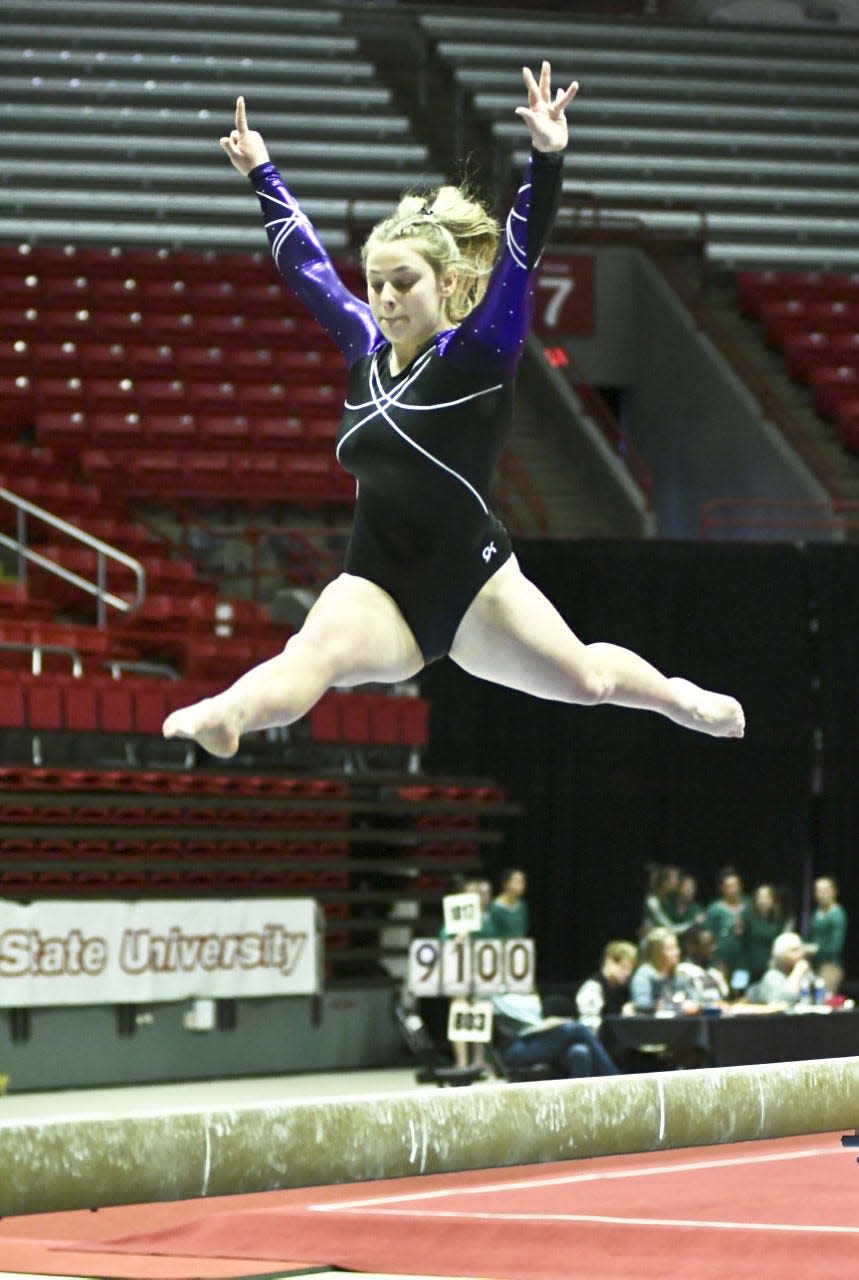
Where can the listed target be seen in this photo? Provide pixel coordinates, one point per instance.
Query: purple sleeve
(495, 331)
(308, 270)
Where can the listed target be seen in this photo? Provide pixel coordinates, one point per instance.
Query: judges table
(738, 1039)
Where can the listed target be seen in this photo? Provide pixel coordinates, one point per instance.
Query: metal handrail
(104, 552)
(35, 648)
(838, 517)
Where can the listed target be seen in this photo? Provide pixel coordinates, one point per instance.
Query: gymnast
(432, 357)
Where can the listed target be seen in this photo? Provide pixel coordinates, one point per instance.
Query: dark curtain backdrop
(606, 790)
(834, 580)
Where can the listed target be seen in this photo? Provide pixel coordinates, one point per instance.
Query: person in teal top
(686, 911)
(762, 923)
(724, 918)
(827, 930)
(509, 911)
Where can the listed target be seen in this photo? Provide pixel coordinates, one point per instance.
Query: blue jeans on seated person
(571, 1047)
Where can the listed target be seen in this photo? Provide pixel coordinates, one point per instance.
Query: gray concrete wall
(693, 421)
(73, 1047)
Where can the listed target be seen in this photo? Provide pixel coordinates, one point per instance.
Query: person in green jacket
(762, 923)
(509, 911)
(827, 930)
(724, 918)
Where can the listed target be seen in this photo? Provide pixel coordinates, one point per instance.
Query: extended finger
(564, 99)
(531, 85)
(241, 115)
(546, 81)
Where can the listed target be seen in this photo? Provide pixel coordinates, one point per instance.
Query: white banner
(74, 953)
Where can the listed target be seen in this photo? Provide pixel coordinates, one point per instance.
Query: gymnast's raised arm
(498, 326)
(296, 248)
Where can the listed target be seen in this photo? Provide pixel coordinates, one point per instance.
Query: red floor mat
(757, 1211)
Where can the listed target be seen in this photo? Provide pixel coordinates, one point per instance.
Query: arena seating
(813, 319)
(359, 845)
(157, 399)
(166, 79)
(754, 130)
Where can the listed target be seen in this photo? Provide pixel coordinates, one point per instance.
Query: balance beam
(187, 1152)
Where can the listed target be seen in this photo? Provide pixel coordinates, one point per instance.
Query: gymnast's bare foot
(713, 713)
(202, 722)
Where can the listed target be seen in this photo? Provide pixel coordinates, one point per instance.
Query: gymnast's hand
(245, 148)
(544, 115)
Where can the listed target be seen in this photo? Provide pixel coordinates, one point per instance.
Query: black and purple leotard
(423, 443)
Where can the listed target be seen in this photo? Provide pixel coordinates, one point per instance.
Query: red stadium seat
(803, 350)
(105, 359)
(210, 297)
(150, 706)
(276, 431)
(834, 317)
(224, 430)
(781, 317)
(160, 395)
(111, 395)
(56, 359)
(80, 706)
(44, 704)
(13, 706)
(166, 295)
(17, 401)
(832, 384)
(414, 721)
(173, 430)
(65, 428)
(114, 707)
(844, 348)
(59, 393)
(115, 429)
(152, 360)
(200, 361)
(355, 717)
(325, 719)
(113, 293)
(384, 720)
(20, 322)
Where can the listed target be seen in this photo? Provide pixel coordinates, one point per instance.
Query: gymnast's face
(407, 300)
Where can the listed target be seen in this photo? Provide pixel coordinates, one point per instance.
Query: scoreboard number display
(470, 1021)
(471, 967)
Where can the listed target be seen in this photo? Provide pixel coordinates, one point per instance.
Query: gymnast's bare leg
(513, 636)
(353, 634)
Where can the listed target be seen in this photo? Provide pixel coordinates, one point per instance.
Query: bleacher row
(813, 319)
(139, 706)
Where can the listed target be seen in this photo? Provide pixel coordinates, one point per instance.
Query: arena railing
(722, 516)
(27, 555)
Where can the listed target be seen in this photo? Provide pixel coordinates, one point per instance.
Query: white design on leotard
(519, 253)
(383, 400)
(287, 225)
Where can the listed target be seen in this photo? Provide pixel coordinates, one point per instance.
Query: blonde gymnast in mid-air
(432, 357)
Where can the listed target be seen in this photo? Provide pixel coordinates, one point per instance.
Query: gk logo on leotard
(489, 551)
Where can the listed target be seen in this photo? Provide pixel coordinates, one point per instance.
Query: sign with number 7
(564, 297)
